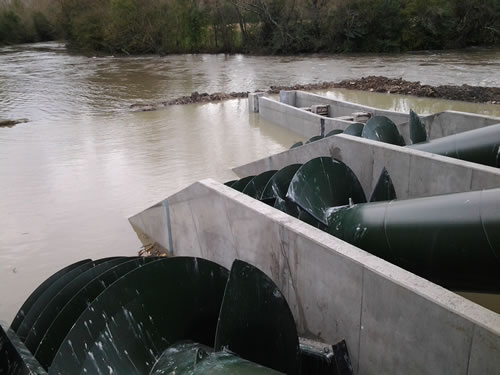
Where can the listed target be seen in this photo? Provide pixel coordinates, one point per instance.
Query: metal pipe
(453, 240)
(479, 146)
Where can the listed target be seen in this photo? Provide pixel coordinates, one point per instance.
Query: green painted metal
(325, 359)
(181, 358)
(279, 183)
(355, 129)
(194, 359)
(334, 132)
(242, 183)
(285, 205)
(417, 128)
(296, 144)
(381, 128)
(40, 290)
(63, 322)
(264, 331)
(57, 303)
(453, 240)
(384, 189)
(229, 183)
(41, 302)
(314, 139)
(322, 184)
(479, 146)
(257, 184)
(134, 320)
(162, 316)
(15, 358)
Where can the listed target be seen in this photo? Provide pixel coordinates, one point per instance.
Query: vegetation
(21, 22)
(253, 26)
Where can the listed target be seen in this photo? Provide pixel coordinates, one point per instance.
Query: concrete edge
(448, 300)
(367, 107)
(397, 112)
(292, 107)
(239, 170)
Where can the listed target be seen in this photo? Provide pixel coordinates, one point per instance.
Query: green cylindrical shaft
(479, 146)
(453, 240)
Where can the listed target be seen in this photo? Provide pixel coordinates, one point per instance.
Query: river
(83, 162)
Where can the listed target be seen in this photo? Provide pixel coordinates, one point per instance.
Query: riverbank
(466, 93)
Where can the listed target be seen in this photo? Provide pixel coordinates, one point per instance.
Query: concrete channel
(394, 322)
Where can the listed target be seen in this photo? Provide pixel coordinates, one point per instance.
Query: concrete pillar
(287, 97)
(253, 101)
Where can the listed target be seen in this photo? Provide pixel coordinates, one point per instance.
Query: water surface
(71, 176)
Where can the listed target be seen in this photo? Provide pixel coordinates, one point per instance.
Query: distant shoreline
(466, 93)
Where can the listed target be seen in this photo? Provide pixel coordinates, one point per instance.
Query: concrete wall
(450, 122)
(153, 220)
(338, 108)
(297, 120)
(414, 173)
(393, 321)
(289, 115)
(342, 108)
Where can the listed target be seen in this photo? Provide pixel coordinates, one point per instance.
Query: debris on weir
(474, 94)
(195, 97)
(152, 250)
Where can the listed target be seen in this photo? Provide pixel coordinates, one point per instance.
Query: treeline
(23, 22)
(264, 26)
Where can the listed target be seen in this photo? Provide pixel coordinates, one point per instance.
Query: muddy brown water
(71, 176)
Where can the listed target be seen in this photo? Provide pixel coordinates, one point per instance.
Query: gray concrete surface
(342, 108)
(393, 321)
(253, 101)
(288, 97)
(288, 113)
(451, 122)
(297, 120)
(414, 173)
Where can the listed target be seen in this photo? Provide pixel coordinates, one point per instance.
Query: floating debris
(12, 123)
(152, 250)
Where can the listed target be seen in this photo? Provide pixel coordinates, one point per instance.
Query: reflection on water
(44, 81)
(68, 187)
(84, 163)
(402, 103)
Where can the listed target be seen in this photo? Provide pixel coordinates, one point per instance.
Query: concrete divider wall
(451, 122)
(393, 321)
(310, 124)
(297, 120)
(340, 108)
(306, 123)
(414, 173)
